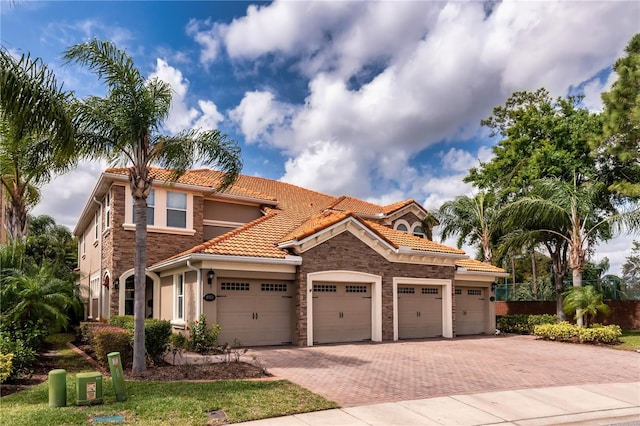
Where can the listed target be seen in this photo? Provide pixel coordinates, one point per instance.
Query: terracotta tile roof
(477, 266)
(397, 239)
(298, 214)
(346, 203)
(316, 223)
(397, 206)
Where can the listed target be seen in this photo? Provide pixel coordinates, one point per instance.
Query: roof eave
(288, 260)
(464, 271)
(409, 250)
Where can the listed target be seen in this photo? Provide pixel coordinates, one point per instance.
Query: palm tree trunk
(140, 280)
(558, 275)
(577, 282)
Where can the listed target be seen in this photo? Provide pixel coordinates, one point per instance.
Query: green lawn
(630, 340)
(162, 403)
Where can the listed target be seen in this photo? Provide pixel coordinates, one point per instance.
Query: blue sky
(378, 100)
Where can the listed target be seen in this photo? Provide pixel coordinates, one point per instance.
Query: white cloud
(67, 194)
(208, 40)
(593, 92)
(181, 115)
(258, 115)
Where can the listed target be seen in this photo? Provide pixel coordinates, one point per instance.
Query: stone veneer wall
(119, 244)
(346, 252)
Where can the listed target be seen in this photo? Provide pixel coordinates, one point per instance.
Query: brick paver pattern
(369, 373)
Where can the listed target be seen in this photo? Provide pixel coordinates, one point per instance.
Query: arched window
(418, 231)
(402, 228)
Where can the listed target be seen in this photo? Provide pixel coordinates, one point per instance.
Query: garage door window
(430, 290)
(273, 287)
(235, 286)
(356, 289)
(474, 292)
(406, 290)
(325, 288)
(458, 291)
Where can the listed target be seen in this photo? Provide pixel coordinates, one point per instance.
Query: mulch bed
(160, 373)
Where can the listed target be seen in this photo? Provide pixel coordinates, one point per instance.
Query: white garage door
(255, 312)
(341, 312)
(419, 312)
(471, 310)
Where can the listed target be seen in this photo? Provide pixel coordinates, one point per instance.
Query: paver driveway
(368, 373)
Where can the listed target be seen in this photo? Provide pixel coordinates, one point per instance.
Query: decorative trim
(222, 223)
(161, 229)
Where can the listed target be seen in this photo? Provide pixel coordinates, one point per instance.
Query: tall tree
(25, 165)
(36, 135)
(471, 220)
(541, 137)
(124, 127)
(620, 148)
(32, 101)
(571, 213)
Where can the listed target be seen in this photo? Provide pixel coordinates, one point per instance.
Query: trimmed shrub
(122, 321)
(86, 329)
(564, 331)
(112, 339)
(522, 324)
(6, 366)
(598, 333)
(156, 338)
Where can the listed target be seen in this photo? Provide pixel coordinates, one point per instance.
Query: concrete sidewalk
(596, 404)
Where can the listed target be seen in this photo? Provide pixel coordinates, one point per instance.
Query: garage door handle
(256, 315)
(253, 315)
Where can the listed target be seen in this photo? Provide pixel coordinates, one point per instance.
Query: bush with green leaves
(6, 366)
(24, 355)
(522, 324)
(112, 339)
(564, 331)
(202, 338)
(122, 321)
(156, 338)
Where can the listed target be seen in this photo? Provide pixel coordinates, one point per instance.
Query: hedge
(112, 339)
(156, 334)
(564, 331)
(522, 324)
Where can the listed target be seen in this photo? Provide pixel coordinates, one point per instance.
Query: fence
(625, 313)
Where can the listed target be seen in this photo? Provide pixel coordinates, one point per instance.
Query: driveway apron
(370, 373)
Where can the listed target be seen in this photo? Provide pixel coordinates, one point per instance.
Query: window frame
(185, 210)
(107, 210)
(178, 300)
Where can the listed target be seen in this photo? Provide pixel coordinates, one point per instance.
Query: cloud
(207, 39)
(62, 194)
(181, 115)
(258, 115)
(425, 73)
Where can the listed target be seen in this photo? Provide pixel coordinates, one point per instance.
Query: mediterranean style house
(273, 263)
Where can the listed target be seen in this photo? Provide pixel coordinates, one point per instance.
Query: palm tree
(586, 302)
(36, 135)
(568, 214)
(123, 127)
(36, 295)
(25, 164)
(471, 220)
(32, 101)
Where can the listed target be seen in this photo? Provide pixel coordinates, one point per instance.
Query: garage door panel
(341, 312)
(471, 310)
(419, 312)
(255, 313)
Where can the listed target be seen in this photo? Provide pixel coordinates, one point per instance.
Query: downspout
(100, 257)
(199, 288)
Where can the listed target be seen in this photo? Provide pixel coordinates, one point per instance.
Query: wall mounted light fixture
(210, 276)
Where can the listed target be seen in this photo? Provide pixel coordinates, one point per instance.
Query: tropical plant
(472, 220)
(569, 213)
(36, 295)
(586, 302)
(124, 127)
(33, 103)
(631, 272)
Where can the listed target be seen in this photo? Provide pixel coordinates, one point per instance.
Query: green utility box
(89, 388)
(57, 388)
(117, 376)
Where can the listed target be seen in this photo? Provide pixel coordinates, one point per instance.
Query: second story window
(84, 243)
(176, 209)
(151, 208)
(96, 226)
(418, 231)
(402, 228)
(107, 210)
